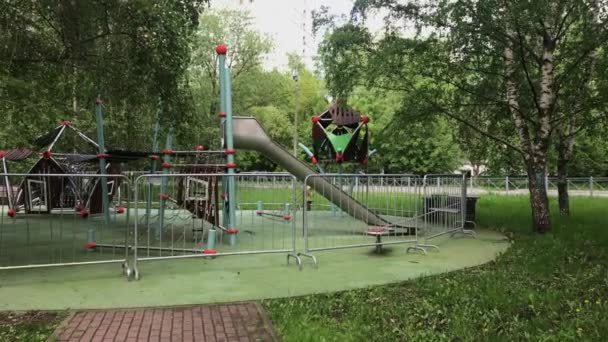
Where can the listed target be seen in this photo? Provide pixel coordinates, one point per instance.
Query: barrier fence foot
(312, 257)
(297, 257)
(416, 248)
(428, 246)
(469, 232)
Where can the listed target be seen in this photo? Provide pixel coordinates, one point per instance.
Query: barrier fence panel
(354, 210)
(444, 207)
(57, 220)
(190, 218)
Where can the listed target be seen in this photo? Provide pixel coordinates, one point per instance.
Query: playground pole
(153, 162)
(221, 52)
(230, 157)
(163, 184)
(103, 180)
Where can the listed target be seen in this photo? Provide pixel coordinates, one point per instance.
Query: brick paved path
(225, 322)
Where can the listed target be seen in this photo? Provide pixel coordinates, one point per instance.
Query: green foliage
(405, 141)
(57, 57)
(550, 287)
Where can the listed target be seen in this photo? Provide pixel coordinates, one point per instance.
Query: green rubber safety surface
(235, 278)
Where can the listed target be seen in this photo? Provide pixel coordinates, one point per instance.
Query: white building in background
(474, 170)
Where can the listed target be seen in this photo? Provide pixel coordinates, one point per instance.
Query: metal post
(103, 181)
(591, 186)
(507, 184)
(153, 162)
(226, 108)
(295, 77)
(163, 186)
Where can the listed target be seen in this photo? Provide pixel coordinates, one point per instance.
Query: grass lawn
(551, 287)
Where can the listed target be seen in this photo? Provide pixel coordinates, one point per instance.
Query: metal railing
(49, 220)
(191, 218)
(577, 186)
(354, 210)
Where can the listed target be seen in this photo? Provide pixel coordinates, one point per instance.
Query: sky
(289, 23)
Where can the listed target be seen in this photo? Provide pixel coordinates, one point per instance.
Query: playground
(190, 224)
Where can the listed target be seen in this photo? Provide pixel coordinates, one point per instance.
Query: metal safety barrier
(360, 210)
(50, 220)
(188, 216)
(444, 207)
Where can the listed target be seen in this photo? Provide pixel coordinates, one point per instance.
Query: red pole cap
(314, 160)
(364, 119)
(11, 212)
(166, 165)
(164, 196)
(209, 251)
(224, 196)
(102, 155)
(229, 151)
(2, 154)
(65, 123)
(259, 213)
(316, 118)
(200, 147)
(286, 217)
(120, 210)
(221, 49)
(167, 151)
(153, 157)
(47, 154)
(221, 114)
(84, 213)
(98, 101)
(232, 231)
(230, 165)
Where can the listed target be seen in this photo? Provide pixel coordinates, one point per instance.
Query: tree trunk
(562, 186)
(539, 201)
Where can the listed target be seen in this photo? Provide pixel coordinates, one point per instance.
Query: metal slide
(250, 135)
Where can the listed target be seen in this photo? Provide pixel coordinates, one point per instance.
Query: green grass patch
(29, 326)
(552, 287)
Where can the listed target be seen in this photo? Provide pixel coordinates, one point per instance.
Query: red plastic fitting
(259, 213)
(163, 196)
(316, 118)
(221, 114)
(90, 245)
(65, 122)
(84, 213)
(221, 49)
(166, 165)
(102, 155)
(11, 212)
(120, 210)
(209, 251)
(364, 119)
(153, 157)
(286, 217)
(314, 160)
(200, 147)
(232, 231)
(47, 154)
(229, 151)
(230, 165)
(167, 151)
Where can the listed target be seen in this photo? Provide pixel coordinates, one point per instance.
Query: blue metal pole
(103, 180)
(221, 52)
(153, 162)
(163, 184)
(230, 158)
